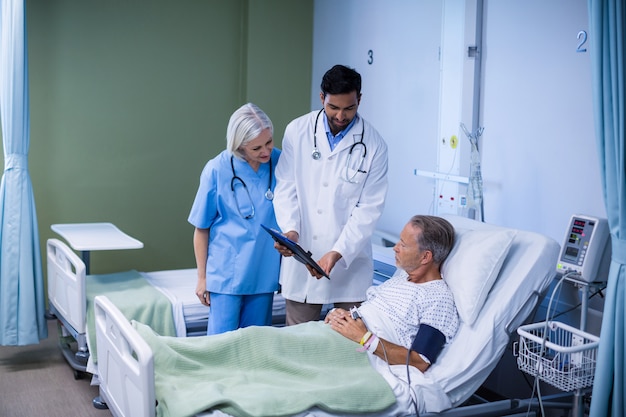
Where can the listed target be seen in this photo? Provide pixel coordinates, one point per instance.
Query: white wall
(540, 161)
(400, 86)
(538, 148)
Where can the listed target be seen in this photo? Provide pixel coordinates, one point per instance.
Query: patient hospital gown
(407, 304)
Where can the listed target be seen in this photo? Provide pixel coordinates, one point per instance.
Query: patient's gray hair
(246, 124)
(437, 236)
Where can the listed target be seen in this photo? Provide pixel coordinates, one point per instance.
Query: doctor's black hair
(341, 80)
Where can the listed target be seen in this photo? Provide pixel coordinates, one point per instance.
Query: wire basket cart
(558, 354)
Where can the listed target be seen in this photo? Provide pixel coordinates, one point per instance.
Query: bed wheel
(82, 357)
(99, 403)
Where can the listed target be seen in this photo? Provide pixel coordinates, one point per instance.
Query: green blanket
(264, 371)
(134, 297)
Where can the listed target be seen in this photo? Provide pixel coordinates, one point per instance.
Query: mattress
(179, 286)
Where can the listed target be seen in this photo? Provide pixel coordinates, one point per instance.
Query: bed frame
(68, 303)
(126, 379)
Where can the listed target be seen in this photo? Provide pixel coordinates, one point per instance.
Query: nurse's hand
(284, 250)
(203, 295)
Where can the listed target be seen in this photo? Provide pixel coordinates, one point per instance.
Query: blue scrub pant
(230, 312)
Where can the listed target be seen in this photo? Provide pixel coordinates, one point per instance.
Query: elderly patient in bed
(412, 314)
(266, 371)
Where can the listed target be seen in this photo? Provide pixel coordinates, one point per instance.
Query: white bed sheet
(179, 286)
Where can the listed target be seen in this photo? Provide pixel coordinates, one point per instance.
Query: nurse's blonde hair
(246, 124)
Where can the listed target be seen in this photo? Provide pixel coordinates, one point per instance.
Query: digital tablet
(299, 253)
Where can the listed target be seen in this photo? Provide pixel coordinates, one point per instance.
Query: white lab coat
(313, 198)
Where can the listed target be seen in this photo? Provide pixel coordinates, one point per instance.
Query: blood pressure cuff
(428, 342)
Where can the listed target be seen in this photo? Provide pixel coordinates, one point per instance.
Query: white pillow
(473, 266)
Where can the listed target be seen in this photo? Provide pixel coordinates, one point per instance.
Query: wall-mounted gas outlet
(447, 204)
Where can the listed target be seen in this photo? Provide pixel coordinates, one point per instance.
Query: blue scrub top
(242, 259)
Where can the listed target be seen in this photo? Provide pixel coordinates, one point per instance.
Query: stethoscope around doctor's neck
(269, 195)
(316, 154)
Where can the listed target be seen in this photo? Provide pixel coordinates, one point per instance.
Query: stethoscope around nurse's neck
(269, 195)
(316, 154)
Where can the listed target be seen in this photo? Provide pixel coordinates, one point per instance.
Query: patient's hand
(342, 322)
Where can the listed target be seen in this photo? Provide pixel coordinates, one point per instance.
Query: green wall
(129, 99)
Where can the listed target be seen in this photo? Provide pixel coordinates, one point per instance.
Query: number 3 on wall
(370, 57)
(582, 36)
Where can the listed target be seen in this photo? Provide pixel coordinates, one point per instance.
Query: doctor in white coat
(331, 183)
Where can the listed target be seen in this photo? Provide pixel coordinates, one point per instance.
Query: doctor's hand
(284, 250)
(327, 262)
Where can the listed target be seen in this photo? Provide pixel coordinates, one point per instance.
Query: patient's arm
(341, 321)
(396, 355)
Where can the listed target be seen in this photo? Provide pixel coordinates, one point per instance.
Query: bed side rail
(526, 407)
(125, 364)
(66, 284)
(489, 409)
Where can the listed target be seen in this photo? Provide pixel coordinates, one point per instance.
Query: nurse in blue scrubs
(237, 263)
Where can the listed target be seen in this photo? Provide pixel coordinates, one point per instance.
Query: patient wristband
(365, 338)
(372, 344)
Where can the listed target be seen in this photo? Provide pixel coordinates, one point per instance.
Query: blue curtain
(22, 304)
(607, 20)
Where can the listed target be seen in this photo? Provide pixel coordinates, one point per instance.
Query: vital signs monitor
(586, 248)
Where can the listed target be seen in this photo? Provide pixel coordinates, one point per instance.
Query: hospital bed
(497, 275)
(67, 296)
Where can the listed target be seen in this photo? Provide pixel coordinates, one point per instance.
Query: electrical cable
(408, 378)
(600, 291)
(412, 392)
(579, 304)
(544, 340)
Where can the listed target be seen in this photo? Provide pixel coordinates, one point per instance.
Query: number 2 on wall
(582, 35)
